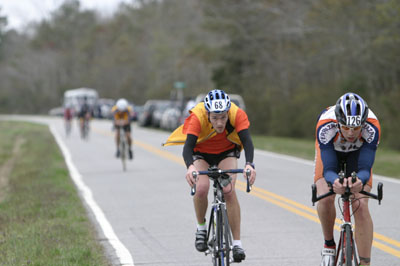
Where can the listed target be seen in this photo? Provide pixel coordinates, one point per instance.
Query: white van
(74, 98)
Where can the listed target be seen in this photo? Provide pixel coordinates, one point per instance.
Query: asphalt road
(150, 210)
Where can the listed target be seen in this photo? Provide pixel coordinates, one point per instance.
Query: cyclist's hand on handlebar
(356, 186)
(338, 187)
(189, 175)
(253, 174)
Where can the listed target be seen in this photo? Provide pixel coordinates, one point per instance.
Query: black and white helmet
(351, 110)
(217, 101)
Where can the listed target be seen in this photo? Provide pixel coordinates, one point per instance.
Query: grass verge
(386, 160)
(42, 219)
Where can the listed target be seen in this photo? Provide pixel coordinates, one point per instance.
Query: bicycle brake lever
(193, 189)
(341, 177)
(353, 177)
(248, 186)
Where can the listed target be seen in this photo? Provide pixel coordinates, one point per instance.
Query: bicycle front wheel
(123, 154)
(227, 237)
(220, 239)
(348, 245)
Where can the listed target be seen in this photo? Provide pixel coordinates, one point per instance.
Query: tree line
(288, 59)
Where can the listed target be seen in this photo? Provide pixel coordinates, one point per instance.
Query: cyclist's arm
(367, 151)
(188, 148)
(365, 161)
(245, 138)
(329, 162)
(115, 119)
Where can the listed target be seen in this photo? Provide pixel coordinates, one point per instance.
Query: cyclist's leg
(232, 202)
(362, 216)
(117, 140)
(327, 215)
(325, 207)
(233, 208)
(363, 227)
(202, 186)
(117, 136)
(200, 201)
(127, 129)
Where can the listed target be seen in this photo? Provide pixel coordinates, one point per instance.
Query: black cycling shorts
(127, 128)
(215, 159)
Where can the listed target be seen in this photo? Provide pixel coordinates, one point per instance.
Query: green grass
(386, 160)
(42, 219)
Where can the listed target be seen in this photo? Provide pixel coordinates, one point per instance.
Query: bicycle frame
(347, 247)
(219, 235)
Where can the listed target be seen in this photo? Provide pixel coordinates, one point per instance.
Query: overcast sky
(20, 12)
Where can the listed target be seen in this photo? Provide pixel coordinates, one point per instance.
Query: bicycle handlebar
(378, 197)
(215, 173)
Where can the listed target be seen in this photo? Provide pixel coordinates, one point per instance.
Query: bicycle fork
(347, 237)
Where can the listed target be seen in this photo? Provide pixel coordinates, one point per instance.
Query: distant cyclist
(122, 118)
(214, 134)
(348, 131)
(68, 115)
(84, 116)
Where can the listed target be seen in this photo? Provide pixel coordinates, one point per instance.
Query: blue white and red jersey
(330, 142)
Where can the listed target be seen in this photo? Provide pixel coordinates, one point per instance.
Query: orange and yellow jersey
(329, 141)
(124, 115)
(209, 141)
(219, 143)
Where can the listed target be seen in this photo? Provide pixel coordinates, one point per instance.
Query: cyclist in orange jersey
(214, 134)
(347, 132)
(122, 118)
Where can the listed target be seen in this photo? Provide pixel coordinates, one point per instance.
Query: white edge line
(311, 163)
(122, 252)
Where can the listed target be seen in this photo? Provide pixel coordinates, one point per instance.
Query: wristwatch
(251, 164)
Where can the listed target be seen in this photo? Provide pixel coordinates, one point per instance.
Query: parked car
(104, 106)
(145, 119)
(137, 111)
(57, 111)
(171, 118)
(158, 112)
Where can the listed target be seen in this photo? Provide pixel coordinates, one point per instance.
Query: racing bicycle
(219, 235)
(347, 254)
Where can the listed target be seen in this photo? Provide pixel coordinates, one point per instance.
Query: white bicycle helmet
(217, 101)
(351, 110)
(122, 105)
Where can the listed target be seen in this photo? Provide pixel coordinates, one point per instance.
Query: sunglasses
(348, 128)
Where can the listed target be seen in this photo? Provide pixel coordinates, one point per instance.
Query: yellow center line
(285, 203)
